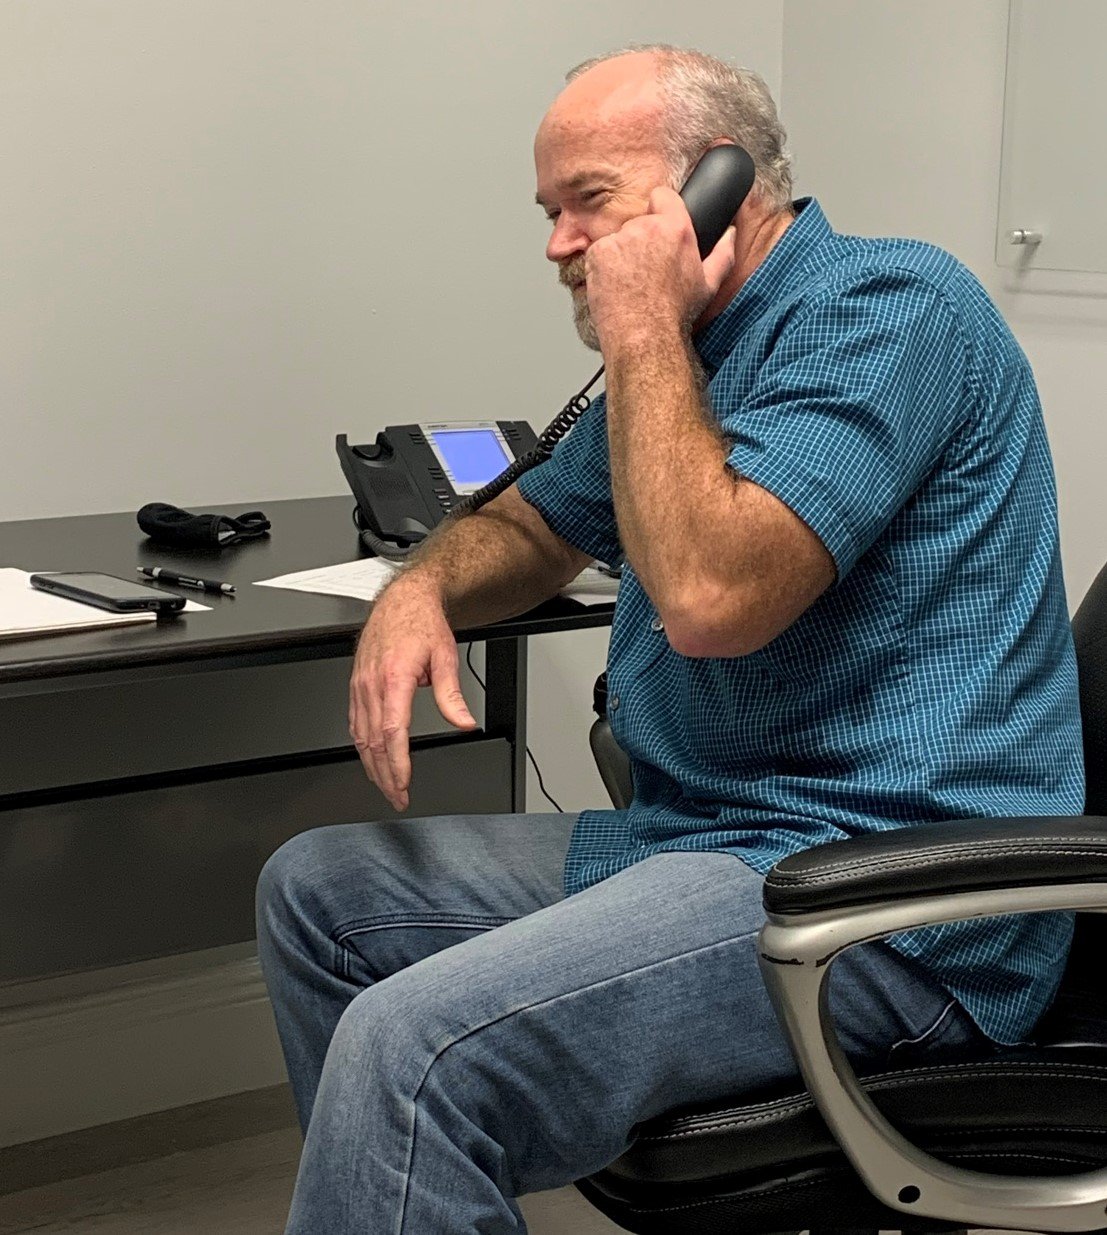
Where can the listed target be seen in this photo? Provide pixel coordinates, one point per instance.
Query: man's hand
(407, 643)
(648, 274)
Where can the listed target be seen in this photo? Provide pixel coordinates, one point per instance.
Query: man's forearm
(494, 564)
(669, 479)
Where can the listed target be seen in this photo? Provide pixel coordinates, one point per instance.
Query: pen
(167, 576)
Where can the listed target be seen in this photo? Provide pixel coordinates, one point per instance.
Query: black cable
(547, 440)
(534, 762)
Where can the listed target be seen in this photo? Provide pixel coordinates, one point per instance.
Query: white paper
(25, 610)
(592, 587)
(362, 579)
(365, 578)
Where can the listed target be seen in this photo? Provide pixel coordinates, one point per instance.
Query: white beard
(582, 319)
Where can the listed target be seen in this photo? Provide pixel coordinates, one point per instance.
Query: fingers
(664, 200)
(377, 750)
(381, 697)
(394, 743)
(447, 689)
(365, 730)
(720, 261)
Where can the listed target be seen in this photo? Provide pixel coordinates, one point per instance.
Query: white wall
(233, 228)
(895, 116)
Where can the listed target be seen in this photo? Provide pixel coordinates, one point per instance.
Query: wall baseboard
(143, 1045)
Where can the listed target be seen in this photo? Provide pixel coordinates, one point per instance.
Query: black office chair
(1014, 1138)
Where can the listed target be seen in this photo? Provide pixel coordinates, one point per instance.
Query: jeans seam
(530, 1007)
(926, 1032)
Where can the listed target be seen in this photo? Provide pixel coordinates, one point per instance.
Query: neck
(756, 236)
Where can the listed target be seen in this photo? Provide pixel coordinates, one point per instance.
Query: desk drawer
(109, 879)
(167, 722)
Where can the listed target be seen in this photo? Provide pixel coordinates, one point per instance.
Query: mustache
(570, 273)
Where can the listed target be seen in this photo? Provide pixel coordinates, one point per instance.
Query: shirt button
(613, 706)
(656, 625)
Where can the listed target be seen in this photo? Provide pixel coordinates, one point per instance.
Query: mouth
(571, 276)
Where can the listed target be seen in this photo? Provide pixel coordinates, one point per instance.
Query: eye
(551, 215)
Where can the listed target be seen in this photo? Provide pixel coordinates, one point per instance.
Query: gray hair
(705, 99)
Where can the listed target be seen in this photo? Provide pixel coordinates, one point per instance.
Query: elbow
(712, 627)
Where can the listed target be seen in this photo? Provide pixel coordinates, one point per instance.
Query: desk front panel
(100, 732)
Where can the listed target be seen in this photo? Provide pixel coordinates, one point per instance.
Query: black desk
(147, 771)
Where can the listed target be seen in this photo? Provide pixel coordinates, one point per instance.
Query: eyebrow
(574, 183)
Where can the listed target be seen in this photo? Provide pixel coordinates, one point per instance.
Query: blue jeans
(458, 1033)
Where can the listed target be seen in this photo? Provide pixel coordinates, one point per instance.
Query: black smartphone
(109, 592)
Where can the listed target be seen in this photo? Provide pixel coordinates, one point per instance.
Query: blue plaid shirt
(872, 386)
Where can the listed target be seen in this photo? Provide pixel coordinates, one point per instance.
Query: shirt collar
(768, 283)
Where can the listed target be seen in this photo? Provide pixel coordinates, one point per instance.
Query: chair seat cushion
(768, 1163)
(1053, 1095)
(771, 1163)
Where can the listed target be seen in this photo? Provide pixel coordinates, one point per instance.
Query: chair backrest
(611, 759)
(1079, 1013)
(1089, 629)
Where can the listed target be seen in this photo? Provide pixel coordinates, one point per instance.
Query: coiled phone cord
(382, 548)
(547, 440)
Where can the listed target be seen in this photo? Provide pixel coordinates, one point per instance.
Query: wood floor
(232, 1187)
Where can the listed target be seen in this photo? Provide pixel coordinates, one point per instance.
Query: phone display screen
(473, 457)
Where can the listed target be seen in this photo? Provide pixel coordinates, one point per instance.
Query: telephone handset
(714, 192)
(417, 475)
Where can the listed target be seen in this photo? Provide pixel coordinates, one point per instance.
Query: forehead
(610, 116)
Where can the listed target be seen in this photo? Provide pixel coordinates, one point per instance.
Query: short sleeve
(572, 489)
(853, 407)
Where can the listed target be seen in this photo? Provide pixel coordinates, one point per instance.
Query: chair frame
(797, 954)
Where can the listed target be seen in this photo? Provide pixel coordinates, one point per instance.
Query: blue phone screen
(474, 456)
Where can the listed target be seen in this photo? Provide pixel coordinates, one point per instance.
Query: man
(824, 462)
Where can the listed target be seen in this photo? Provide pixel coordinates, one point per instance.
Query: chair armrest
(960, 855)
(612, 763)
(830, 898)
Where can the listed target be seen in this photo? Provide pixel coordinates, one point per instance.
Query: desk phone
(412, 476)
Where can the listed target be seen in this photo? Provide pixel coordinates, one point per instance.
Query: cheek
(607, 221)
(620, 210)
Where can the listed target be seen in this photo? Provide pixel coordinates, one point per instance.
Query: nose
(568, 238)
